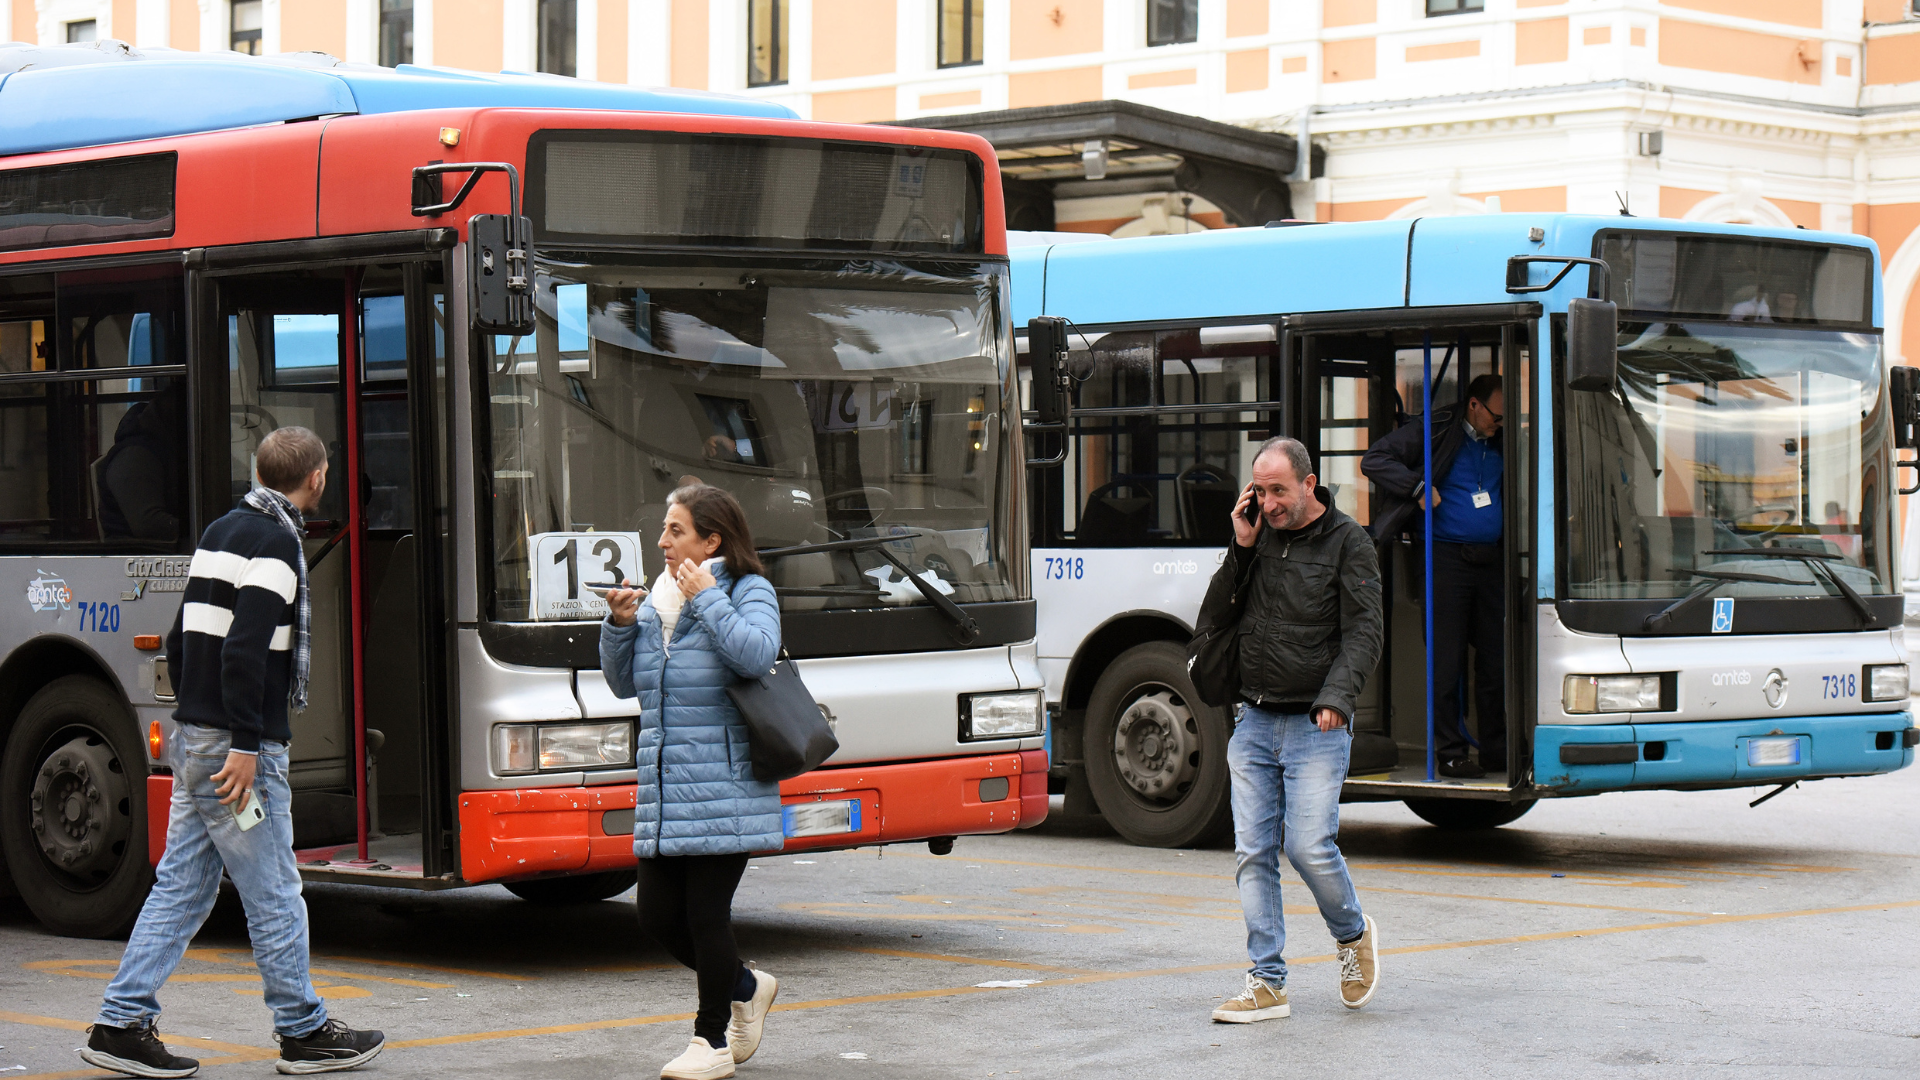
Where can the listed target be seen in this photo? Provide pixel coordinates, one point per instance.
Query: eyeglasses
(1497, 417)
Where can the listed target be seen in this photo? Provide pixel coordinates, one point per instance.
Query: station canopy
(1096, 148)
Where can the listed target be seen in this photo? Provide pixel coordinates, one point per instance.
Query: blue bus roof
(1237, 273)
(63, 97)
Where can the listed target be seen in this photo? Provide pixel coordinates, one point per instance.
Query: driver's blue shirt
(1476, 468)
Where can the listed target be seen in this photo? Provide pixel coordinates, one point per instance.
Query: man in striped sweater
(238, 658)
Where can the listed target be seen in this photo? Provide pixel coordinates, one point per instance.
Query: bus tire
(1156, 756)
(1458, 815)
(578, 889)
(73, 809)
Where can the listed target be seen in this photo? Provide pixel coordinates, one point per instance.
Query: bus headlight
(1886, 682)
(1611, 693)
(529, 748)
(1001, 716)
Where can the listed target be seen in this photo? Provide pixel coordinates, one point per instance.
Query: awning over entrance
(1115, 147)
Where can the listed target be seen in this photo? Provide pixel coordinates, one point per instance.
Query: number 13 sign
(565, 563)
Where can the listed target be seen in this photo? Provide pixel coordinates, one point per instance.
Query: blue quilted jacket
(697, 792)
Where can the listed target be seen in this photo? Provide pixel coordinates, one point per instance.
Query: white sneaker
(750, 1017)
(700, 1062)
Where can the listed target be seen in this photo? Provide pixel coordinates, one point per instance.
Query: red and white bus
(812, 316)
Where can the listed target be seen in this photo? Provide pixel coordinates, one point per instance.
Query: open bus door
(355, 352)
(1352, 379)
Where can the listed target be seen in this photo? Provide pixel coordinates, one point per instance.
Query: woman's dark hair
(715, 510)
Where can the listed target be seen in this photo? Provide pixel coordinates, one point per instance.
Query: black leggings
(686, 904)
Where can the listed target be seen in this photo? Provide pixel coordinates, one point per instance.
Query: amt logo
(49, 593)
(1177, 566)
(1732, 678)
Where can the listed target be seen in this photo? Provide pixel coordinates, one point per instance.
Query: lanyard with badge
(1482, 498)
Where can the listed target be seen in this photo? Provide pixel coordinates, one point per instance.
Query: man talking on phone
(238, 660)
(1309, 636)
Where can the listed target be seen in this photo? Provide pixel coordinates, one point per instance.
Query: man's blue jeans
(202, 838)
(1286, 794)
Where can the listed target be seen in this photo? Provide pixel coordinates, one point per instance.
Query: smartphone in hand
(1251, 513)
(252, 815)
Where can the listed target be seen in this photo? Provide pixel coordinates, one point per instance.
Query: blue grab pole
(1426, 475)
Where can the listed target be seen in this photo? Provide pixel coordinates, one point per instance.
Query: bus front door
(351, 353)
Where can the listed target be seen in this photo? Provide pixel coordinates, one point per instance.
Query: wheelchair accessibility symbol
(1723, 615)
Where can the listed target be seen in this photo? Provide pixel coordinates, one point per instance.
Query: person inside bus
(1308, 631)
(1469, 583)
(239, 653)
(710, 620)
(137, 483)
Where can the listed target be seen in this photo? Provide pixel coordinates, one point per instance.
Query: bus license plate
(1765, 752)
(821, 818)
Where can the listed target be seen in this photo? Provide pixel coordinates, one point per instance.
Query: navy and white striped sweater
(230, 654)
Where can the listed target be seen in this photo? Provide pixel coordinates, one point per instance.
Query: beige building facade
(1787, 112)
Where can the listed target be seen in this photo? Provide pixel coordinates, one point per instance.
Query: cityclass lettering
(1732, 678)
(1177, 566)
(158, 567)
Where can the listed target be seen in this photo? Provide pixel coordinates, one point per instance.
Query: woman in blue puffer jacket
(711, 620)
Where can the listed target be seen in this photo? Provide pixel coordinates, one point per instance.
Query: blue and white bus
(1700, 494)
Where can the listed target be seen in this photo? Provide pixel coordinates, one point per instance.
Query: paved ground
(1655, 934)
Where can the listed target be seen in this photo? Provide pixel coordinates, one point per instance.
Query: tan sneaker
(750, 1017)
(700, 1062)
(1260, 1001)
(1360, 967)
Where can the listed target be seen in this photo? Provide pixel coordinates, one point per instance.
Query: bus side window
(1149, 476)
(92, 461)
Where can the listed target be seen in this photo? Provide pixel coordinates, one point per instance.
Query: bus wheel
(1463, 814)
(73, 801)
(578, 889)
(1156, 755)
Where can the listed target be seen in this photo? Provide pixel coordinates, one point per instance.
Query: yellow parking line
(974, 960)
(1524, 900)
(410, 965)
(1067, 980)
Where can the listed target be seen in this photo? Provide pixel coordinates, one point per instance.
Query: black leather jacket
(1311, 630)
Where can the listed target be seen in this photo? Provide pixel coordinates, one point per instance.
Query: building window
(1454, 7)
(1173, 22)
(396, 32)
(83, 30)
(766, 42)
(962, 26)
(559, 23)
(244, 35)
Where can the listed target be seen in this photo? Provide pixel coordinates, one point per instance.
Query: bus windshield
(1722, 438)
(835, 401)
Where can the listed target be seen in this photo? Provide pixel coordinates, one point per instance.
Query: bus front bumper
(1582, 758)
(516, 833)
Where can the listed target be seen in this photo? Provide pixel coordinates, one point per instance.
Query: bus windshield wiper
(1816, 562)
(1715, 579)
(967, 630)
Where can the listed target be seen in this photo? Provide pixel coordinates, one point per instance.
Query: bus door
(354, 353)
(1357, 384)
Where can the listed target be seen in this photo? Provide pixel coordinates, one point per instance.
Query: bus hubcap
(1156, 746)
(76, 808)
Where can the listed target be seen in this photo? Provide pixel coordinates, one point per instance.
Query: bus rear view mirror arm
(499, 246)
(1592, 324)
(1052, 383)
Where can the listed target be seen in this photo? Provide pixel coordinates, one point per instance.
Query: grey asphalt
(1631, 935)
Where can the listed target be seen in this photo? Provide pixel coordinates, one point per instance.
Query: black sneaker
(331, 1047)
(1461, 768)
(135, 1051)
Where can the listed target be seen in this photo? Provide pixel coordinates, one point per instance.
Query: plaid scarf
(268, 501)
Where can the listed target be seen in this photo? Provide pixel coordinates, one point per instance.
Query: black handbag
(787, 734)
(1213, 655)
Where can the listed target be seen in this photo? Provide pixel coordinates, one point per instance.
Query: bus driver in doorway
(1469, 583)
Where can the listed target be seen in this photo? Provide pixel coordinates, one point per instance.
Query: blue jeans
(1286, 793)
(203, 838)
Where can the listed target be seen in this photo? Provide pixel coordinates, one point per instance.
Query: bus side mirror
(1903, 387)
(498, 285)
(1047, 350)
(1593, 358)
